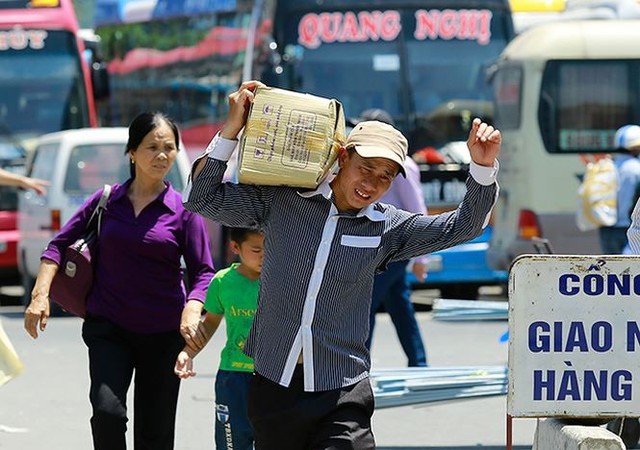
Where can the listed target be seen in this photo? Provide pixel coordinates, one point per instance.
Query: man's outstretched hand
(484, 143)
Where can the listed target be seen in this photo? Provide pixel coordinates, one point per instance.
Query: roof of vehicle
(580, 39)
(87, 135)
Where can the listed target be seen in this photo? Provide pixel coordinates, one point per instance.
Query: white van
(561, 91)
(76, 163)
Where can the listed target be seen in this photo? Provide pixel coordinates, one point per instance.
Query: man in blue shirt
(322, 250)
(391, 288)
(613, 239)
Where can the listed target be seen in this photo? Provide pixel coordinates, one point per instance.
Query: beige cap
(373, 139)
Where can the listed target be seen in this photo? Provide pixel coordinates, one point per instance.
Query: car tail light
(55, 219)
(528, 226)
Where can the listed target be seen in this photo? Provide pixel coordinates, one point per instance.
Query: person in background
(232, 294)
(311, 385)
(613, 240)
(12, 179)
(391, 288)
(139, 314)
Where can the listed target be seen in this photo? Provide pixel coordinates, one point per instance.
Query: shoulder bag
(74, 278)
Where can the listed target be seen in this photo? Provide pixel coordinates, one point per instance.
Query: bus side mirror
(100, 80)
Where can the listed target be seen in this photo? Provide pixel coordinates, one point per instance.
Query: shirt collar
(373, 212)
(170, 201)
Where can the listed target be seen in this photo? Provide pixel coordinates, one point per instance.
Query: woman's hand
(484, 143)
(37, 313)
(191, 315)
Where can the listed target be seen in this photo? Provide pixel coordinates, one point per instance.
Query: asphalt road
(47, 407)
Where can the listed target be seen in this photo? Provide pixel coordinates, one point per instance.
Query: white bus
(561, 91)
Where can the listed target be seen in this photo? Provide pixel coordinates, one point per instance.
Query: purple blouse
(139, 281)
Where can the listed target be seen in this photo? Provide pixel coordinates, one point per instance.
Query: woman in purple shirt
(139, 314)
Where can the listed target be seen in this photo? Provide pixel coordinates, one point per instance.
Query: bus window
(447, 75)
(424, 65)
(339, 74)
(508, 96)
(580, 113)
(562, 89)
(41, 87)
(45, 83)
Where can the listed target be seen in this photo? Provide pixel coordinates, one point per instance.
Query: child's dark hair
(239, 235)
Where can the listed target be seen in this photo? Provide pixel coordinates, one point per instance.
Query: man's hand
(484, 143)
(239, 106)
(419, 269)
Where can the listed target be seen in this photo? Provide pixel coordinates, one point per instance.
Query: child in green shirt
(232, 294)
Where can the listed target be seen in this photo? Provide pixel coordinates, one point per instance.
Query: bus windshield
(41, 83)
(430, 75)
(184, 66)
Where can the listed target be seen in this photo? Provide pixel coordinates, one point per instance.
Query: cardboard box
(290, 139)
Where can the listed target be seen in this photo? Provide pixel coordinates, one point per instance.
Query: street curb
(554, 434)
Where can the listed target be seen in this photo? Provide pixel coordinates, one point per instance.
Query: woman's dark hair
(140, 126)
(239, 235)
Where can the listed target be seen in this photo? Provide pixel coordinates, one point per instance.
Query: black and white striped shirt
(317, 274)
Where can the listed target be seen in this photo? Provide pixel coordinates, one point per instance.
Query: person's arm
(200, 271)
(206, 329)
(425, 234)
(12, 179)
(484, 143)
(233, 205)
(36, 314)
(239, 106)
(38, 310)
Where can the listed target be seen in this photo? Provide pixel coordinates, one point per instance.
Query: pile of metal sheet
(408, 386)
(448, 309)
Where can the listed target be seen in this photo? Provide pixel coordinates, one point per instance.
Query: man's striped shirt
(319, 264)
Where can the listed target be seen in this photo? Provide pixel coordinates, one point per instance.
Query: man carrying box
(322, 249)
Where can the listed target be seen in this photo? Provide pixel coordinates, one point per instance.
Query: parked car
(13, 159)
(76, 163)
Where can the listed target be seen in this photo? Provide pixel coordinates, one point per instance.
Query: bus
(562, 89)
(179, 57)
(46, 77)
(45, 86)
(423, 61)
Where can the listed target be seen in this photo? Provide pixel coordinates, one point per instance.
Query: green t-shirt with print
(234, 296)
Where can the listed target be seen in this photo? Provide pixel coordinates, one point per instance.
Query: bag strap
(95, 221)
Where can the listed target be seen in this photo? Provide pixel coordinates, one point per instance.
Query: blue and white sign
(574, 336)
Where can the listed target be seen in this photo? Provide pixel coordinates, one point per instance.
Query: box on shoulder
(290, 139)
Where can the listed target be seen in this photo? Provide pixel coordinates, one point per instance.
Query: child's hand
(184, 365)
